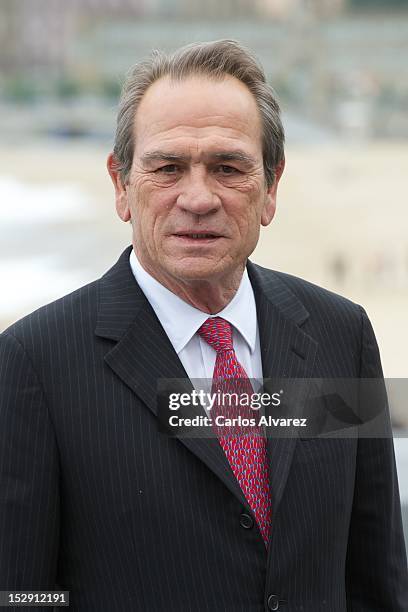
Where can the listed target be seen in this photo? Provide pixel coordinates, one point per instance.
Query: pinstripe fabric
(94, 500)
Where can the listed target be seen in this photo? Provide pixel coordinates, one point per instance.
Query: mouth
(194, 237)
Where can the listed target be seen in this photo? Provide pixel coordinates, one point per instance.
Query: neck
(209, 296)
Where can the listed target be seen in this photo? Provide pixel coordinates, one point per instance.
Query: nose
(197, 194)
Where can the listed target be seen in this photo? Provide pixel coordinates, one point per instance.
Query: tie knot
(218, 333)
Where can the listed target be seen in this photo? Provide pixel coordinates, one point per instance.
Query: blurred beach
(341, 222)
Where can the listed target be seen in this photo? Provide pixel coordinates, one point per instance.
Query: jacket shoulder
(331, 319)
(311, 293)
(314, 297)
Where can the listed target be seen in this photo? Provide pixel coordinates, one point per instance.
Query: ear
(122, 207)
(269, 209)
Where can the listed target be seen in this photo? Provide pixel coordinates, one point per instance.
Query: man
(93, 498)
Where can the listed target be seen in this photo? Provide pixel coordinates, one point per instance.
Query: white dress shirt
(181, 321)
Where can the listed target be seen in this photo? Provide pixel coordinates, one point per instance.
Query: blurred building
(38, 34)
(335, 61)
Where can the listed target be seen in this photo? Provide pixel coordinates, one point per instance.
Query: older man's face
(196, 193)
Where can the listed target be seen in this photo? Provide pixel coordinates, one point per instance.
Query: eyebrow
(163, 156)
(236, 155)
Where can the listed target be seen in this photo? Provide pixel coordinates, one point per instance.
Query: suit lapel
(287, 352)
(142, 354)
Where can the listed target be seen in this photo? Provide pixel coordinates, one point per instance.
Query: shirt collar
(181, 320)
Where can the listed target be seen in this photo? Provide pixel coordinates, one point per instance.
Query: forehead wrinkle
(164, 131)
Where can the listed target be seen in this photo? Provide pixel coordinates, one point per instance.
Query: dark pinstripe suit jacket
(93, 499)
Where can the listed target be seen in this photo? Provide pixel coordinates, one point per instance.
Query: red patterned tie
(246, 452)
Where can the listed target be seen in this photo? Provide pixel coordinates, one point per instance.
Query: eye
(168, 169)
(227, 170)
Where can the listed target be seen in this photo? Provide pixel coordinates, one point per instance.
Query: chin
(190, 271)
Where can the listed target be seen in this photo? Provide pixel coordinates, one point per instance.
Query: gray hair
(213, 59)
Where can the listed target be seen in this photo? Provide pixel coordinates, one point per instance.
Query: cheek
(150, 217)
(139, 200)
(247, 219)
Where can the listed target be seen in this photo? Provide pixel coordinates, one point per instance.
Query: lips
(197, 235)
